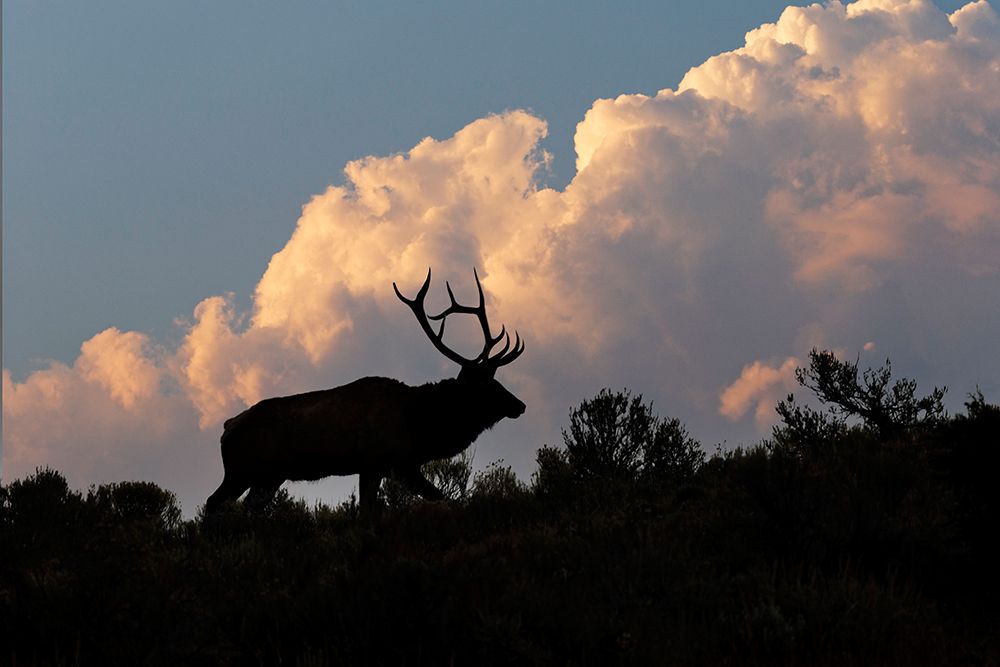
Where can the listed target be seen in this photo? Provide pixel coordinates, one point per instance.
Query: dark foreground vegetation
(860, 535)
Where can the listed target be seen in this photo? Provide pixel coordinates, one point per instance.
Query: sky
(206, 205)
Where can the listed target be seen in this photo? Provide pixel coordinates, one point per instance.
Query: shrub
(672, 454)
(137, 501)
(41, 509)
(607, 433)
(802, 429)
(496, 481)
(887, 409)
(617, 436)
(451, 476)
(554, 474)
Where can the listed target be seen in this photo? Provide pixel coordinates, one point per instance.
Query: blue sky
(835, 182)
(158, 152)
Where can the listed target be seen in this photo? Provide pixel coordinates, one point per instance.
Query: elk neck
(450, 415)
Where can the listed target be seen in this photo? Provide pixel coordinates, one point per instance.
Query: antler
(484, 360)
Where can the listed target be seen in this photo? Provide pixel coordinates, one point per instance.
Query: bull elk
(374, 426)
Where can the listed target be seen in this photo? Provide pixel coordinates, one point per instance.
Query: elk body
(371, 427)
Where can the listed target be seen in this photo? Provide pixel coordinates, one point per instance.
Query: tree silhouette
(888, 408)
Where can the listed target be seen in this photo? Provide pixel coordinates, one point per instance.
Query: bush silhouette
(497, 481)
(672, 454)
(137, 501)
(615, 435)
(554, 475)
(607, 434)
(40, 498)
(451, 476)
(888, 409)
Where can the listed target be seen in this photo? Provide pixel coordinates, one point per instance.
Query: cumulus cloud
(835, 179)
(114, 414)
(886, 114)
(760, 386)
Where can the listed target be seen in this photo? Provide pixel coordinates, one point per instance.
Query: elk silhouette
(374, 426)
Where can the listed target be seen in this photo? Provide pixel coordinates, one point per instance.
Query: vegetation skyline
(193, 223)
(857, 534)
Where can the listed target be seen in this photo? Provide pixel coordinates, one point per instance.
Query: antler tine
(490, 341)
(504, 357)
(421, 293)
(416, 304)
(455, 306)
(503, 333)
(506, 346)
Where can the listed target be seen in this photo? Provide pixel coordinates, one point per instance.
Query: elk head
(477, 373)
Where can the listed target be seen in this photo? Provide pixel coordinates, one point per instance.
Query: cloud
(122, 364)
(760, 386)
(833, 181)
(114, 414)
(886, 115)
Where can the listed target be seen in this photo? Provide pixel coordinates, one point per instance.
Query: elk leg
(369, 483)
(418, 484)
(230, 489)
(260, 495)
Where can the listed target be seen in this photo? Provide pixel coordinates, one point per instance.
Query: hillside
(834, 542)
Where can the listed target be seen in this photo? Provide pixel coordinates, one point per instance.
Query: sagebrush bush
(450, 476)
(497, 481)
(615, 435)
